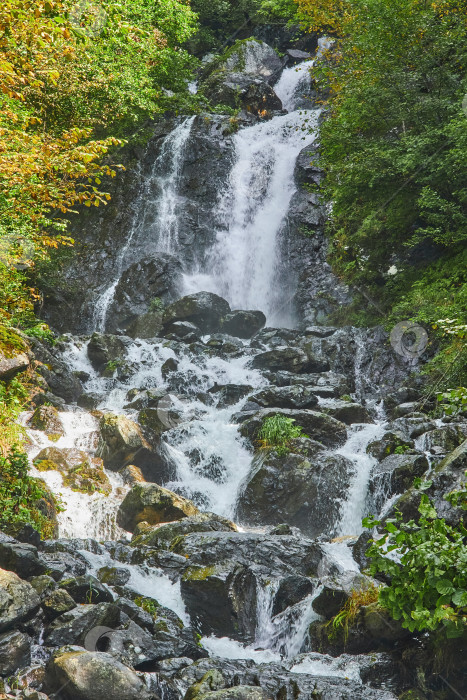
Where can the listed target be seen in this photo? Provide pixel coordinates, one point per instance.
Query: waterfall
(245, 265)
(156, 216)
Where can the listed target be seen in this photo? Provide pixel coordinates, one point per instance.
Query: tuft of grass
(277, 431)
(341, 622)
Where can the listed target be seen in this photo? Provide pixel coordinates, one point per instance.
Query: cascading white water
(157, 218)
(245, 266)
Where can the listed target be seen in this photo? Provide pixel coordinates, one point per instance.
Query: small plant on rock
(277, 431)
(345, 617)
(156, 304)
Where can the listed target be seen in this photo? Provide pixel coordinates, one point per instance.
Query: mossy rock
(47, 419)
(80, 472)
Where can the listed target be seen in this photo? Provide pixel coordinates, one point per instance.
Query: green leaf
(444, 586)
(459, 598)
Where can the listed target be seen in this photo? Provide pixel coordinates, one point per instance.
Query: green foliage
(393, 149)
(148, 604)
(20, 494)
(428, 589)
(156, 304)
(341, 622)
(402, 449)
(277, 431)
(454, 401)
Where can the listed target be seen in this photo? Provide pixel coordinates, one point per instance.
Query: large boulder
(306, 492)
(254, 58)
(47, 419)
(317, 426)
(204, 309)
(325, 384)
(243, 324)
(80, 471)
(90, 675)
(22, 558)
(298, 396)
(336, 591)
(221, 600)
(121, 442)
(160, 536)
(288, 359)
(395, 474)
(348, 412)
(152, 504)
(18, 600)
(103, 349)
(447, 476)
(15, 652)
(271, 555)
(9, 366)
(156, 278)
(73, 626)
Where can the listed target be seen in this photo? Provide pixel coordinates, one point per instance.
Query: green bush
(428, 579)
(277, 431)
(20, 495)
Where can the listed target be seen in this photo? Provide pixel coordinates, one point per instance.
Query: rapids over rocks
(189, 563)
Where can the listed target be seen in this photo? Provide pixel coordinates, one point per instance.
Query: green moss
(198, 573)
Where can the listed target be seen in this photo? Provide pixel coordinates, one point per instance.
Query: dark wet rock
(395, 474)
(279, 682)
(241, 91)
(251, 57)
(296, 56)
(336, 591)
(121, 442)
(446, 438)
(18, 600)
(131, 645)
(61, 563)
(239, 692)
(325, 384)
(447, 476)
(317, 426)
(148, 325)
(230, 394)
(220, 344)
(23, 532)
(348, 412)
(21, 558)
(132, 475)
(147, 398)
(104, 349)
(269, 338)
(172, 639)
(292, 589)
(43, 585)
(212, 680)
(221, 600)
(136, 613)
(204, 309)
(405, 409)
(9, 366)
(60, 380)
(303, 492)
(413, 426)
(160, 537)
(298, 396)
(113, 575)
(15, 652)
(86, 675)
(289, 359)
(89, 401)
(152, 504)
(57, 603)
(280, 554)
(183, 330)
(80, 472)
(47, 419)
(243, 324)
(157, 277)
(73, 626)
(87, 589)
(388, 445)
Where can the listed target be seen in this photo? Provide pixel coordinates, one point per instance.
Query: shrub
(426, 562)
(277, 431)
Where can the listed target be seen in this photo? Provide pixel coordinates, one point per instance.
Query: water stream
(209, 457)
